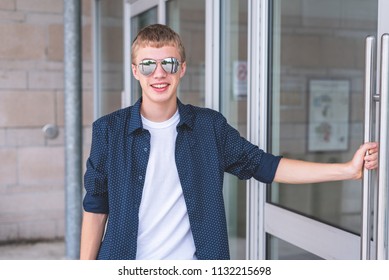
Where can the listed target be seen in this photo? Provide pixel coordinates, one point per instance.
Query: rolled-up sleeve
(246, 160)
(95, 178)
(267, 168)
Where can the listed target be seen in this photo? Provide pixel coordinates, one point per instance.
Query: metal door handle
(383, 149)
(369, 88)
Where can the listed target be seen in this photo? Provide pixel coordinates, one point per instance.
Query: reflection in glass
(320, 44)
(108, 44)
(187, 18)
(282, 250)
(233, 105)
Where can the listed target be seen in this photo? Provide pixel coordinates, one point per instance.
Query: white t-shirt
(164, 229)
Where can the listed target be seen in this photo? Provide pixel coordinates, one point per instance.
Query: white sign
(240, 78)
(328, 115)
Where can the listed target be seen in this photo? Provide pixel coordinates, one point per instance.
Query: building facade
(31, 97)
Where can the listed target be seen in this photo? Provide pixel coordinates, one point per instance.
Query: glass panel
(111, 58)
(233, 104)
(282, 250)
(317, 101)
(137, 23)
(187, 18)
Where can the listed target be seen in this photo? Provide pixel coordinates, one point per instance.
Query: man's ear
(183, 69)
(135, 71)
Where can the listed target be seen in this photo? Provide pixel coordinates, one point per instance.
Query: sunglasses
(169, 65)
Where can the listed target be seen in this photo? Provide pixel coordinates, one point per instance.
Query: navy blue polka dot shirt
(206, 147)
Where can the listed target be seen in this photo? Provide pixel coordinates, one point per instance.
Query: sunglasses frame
(175, 64)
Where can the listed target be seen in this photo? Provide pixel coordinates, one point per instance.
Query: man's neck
(158, 112)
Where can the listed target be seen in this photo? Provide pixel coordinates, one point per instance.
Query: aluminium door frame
(256, 119)
(382, 223)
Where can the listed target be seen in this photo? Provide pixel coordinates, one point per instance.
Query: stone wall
(31, 96)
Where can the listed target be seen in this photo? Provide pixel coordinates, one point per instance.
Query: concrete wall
(31, 96)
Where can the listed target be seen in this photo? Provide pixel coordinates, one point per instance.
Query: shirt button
(145, 149)
(140, 177)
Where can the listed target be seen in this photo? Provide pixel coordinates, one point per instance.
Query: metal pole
(73, 126)
(366, 185)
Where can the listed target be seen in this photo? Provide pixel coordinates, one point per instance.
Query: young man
(155, 173)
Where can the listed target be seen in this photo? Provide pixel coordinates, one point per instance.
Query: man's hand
(366, 156)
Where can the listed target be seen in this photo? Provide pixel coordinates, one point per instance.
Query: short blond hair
(157, 36)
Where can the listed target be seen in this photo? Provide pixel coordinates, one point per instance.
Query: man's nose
(159, 71)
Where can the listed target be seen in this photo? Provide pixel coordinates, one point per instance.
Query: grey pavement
(50, 250)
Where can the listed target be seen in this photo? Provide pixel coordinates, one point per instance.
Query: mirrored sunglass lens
(147, 67)
(170, 65)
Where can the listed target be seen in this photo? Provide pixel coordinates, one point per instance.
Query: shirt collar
(186, 115)
(135, 122)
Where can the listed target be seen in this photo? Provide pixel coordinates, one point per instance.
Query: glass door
(316, 113)
(137, 15)
(107, 56)
(188, 19)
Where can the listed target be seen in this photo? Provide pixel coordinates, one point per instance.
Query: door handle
(366, 193)
(383, 150)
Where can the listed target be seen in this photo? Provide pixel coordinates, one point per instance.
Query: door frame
(382, 230)
(256, 119)
(308, 234)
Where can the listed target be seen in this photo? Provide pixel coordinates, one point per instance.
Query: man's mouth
(159, 86)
